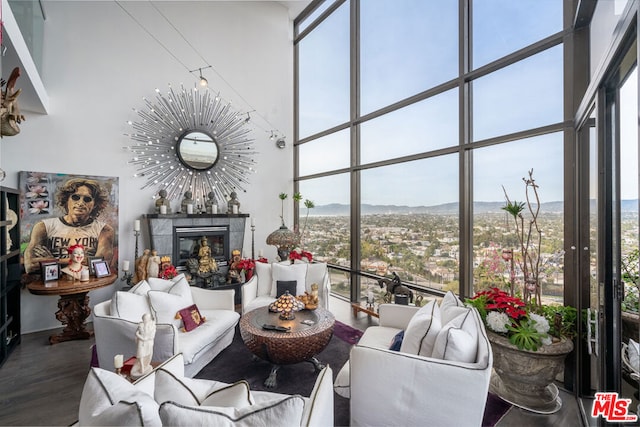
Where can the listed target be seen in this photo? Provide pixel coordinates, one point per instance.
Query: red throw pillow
(191, 318)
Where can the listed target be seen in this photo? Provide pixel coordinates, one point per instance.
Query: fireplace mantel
(161, 228)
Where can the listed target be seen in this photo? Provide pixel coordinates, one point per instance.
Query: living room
(100, 64)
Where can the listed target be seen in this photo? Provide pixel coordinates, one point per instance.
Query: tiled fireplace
(178, 235)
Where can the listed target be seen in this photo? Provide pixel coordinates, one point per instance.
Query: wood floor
(41, 384)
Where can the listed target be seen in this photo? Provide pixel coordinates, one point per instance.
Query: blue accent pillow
(397, 341)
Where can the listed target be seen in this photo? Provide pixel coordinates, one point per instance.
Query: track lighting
(203, 81)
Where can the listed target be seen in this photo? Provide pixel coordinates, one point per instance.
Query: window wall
(411, 126)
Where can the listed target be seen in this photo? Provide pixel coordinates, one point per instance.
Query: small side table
(362, 306)
(73, 305)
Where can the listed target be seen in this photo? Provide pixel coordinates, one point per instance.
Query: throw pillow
(396, 342)
(422, 330)
(277, 412)
(458, 339)
(199, 392)
(141, 288)
(191, 318)
(318, 401)
(263, 272)
(450, 300)
(158, 284)
(128, 306)
(164, 307)
(109, 399)
(295, 272)
(286, 285)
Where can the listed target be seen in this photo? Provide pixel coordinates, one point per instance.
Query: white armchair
(115, 322)
(260, 290)
(389, 387)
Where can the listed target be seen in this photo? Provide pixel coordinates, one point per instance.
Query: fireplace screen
(187, 244)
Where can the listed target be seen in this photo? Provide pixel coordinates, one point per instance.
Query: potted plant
(530, 340)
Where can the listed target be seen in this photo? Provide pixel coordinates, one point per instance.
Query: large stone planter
(525, 378)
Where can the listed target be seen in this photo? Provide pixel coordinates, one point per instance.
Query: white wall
(98, 65)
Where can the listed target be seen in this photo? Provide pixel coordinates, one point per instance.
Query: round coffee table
(300, 343)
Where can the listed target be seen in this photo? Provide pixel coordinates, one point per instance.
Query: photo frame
(92, 260)
(102, 268)
(50, 270)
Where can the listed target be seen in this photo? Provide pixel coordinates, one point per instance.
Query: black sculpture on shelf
(395, 288)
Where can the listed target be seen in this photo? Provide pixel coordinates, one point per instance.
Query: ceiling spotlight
(203, 81)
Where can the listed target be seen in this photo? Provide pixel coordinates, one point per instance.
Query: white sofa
(115, 322)
(440, 376)
(260, 290)
(167, 397)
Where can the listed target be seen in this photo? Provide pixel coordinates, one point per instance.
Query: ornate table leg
(271, 380)
(73, 311)
(319, 366)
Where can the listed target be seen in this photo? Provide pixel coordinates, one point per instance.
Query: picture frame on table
(102, 269)
(90, 261)
(50, 270)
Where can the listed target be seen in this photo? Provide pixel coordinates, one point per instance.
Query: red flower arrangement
(262, 260)
(300, 254)
(245, 264)
(169, 272)
(498, 300)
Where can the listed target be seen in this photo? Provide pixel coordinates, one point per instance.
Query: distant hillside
(336, 209)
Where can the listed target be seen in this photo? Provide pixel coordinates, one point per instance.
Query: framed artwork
(92, 260)
(50, 271)
(102, 268)
(59, 210)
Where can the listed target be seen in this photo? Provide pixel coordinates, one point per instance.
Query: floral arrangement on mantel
(526, 322)
(168, 272)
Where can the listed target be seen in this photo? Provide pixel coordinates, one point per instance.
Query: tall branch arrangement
(529, 238)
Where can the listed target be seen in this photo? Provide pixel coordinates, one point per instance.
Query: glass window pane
(525, 95)
(410, 221)
(314, 15)
(505, 166)
(325, 154)
(325, 228)
(323, 62)
(407, 46)
(501, 27)
(419, 127)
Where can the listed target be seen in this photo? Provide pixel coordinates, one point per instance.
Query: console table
(73, 305)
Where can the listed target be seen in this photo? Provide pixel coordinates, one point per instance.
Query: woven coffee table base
(300, 344)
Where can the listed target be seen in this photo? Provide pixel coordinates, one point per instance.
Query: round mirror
(197, 150)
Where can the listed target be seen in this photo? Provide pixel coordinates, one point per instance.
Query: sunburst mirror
(192, 140)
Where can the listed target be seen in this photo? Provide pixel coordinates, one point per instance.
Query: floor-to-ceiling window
(413, 120)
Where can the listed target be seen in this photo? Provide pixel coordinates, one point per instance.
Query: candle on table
(84, 275)
(253, 223)
(136, 225)
(189, 208)
(214, 209)
(118, 361)
(163, 209)
(125, 265)
(260, 253)
(235, 209)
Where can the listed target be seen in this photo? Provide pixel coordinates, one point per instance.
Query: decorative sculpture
(145, 334)
(10, 115)
(153, 264)
(163, 201)
(233, 205)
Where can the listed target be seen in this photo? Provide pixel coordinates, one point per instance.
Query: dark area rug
(236, 363)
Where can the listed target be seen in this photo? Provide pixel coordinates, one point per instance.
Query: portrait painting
(62, 210)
